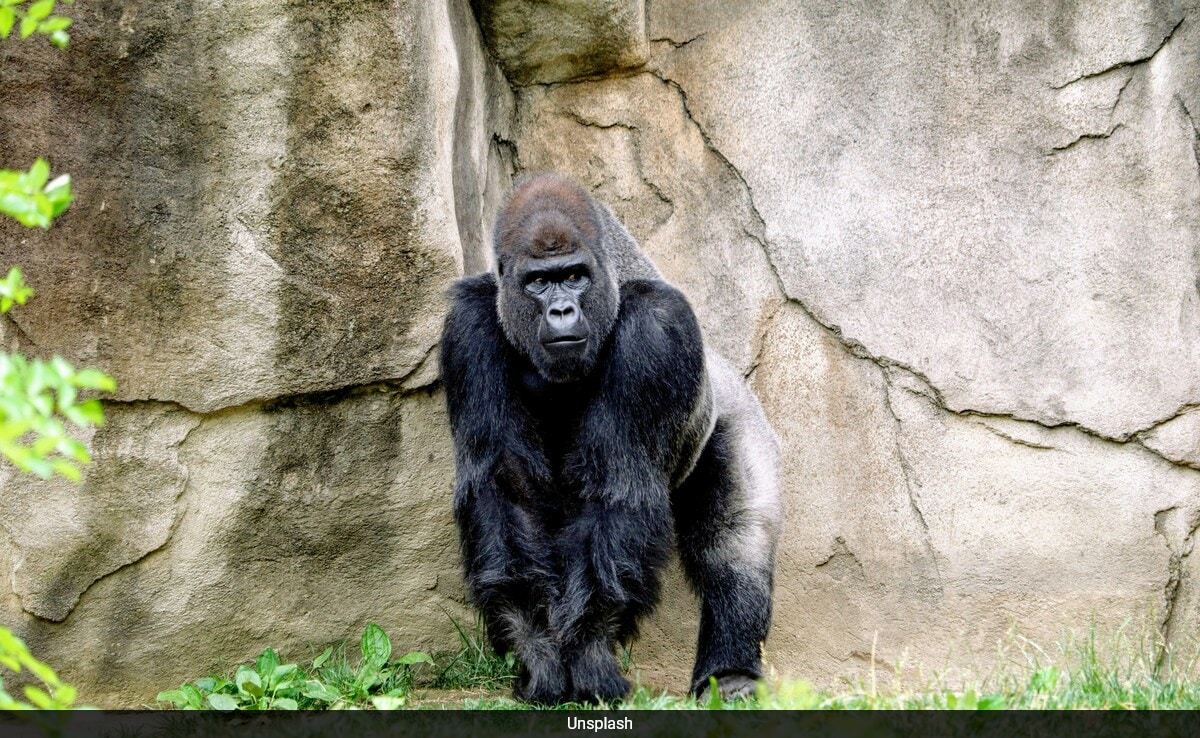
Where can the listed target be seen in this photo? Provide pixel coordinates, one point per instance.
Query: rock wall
(272, 199)
(956, 251)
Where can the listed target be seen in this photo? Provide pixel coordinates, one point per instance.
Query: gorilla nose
(562, 316)
(562, 324)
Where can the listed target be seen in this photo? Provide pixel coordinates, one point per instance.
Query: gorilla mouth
(565, 342)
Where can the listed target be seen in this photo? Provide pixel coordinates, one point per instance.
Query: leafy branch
(36, 17)
(30, 197)
(35, 395)
(52, 695)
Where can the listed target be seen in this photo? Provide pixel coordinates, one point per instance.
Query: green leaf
(14, 289)
(65, 694)
(28, 26)
(194, 698)
(91, 412)
(7, 19)
(175, 696)
(20, 206)
(245, 675)
(67, 470)
(367, 677)
(58, 192)
(222, 702)
(251, 688)
(376, 648)
(40, 9)
(322, 658)
(992, 702)
(39, 173)
(315, 690)
(286, 687)
(284, 703)
(207, 684)
(40, 467)
(281, 674)
(54, 23)
(60, 39)
(44, 445)
(265, 666)
(94, 379)
(39, 698)
(415, 657)
(74, 449)
(44, 207)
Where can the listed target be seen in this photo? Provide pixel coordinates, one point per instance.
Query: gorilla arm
(641, 428)
(505, 555)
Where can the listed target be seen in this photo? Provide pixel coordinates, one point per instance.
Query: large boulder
(271, 200)
(957, 254)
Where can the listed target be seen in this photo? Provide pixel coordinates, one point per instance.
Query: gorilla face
(557, 304)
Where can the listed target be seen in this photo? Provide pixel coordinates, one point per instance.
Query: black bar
(582, 723)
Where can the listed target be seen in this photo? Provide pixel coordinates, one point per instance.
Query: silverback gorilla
(590, 428)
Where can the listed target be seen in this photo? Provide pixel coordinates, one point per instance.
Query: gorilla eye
(537, 285)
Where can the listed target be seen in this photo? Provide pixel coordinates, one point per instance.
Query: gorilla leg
(726, 516)
(543, 678)
(612, 556)
(593, 667)
(510, 577)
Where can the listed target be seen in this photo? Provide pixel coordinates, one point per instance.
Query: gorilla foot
(595, 676)
(600, 688)
(730, 687)
(544, 683)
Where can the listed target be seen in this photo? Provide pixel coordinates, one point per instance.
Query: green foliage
(32, 198)
(330, 682)
(35, 16)
(1086, 673)
(52, 695)
(13, 290)
(474, 665)
(36, 397)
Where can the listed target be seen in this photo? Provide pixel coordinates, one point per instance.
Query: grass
(474, 666)
(1080, 672)
(1089, 671)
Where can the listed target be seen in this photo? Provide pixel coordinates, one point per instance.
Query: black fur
(573, 478)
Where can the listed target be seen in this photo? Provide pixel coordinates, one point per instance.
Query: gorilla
(591, 429)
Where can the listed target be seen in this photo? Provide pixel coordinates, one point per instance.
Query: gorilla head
(558, 294)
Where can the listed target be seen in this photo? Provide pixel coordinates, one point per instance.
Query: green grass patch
(1078, 673)
(329, 681)
(473, 666)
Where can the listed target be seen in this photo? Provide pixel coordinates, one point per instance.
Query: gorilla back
(591, 428)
